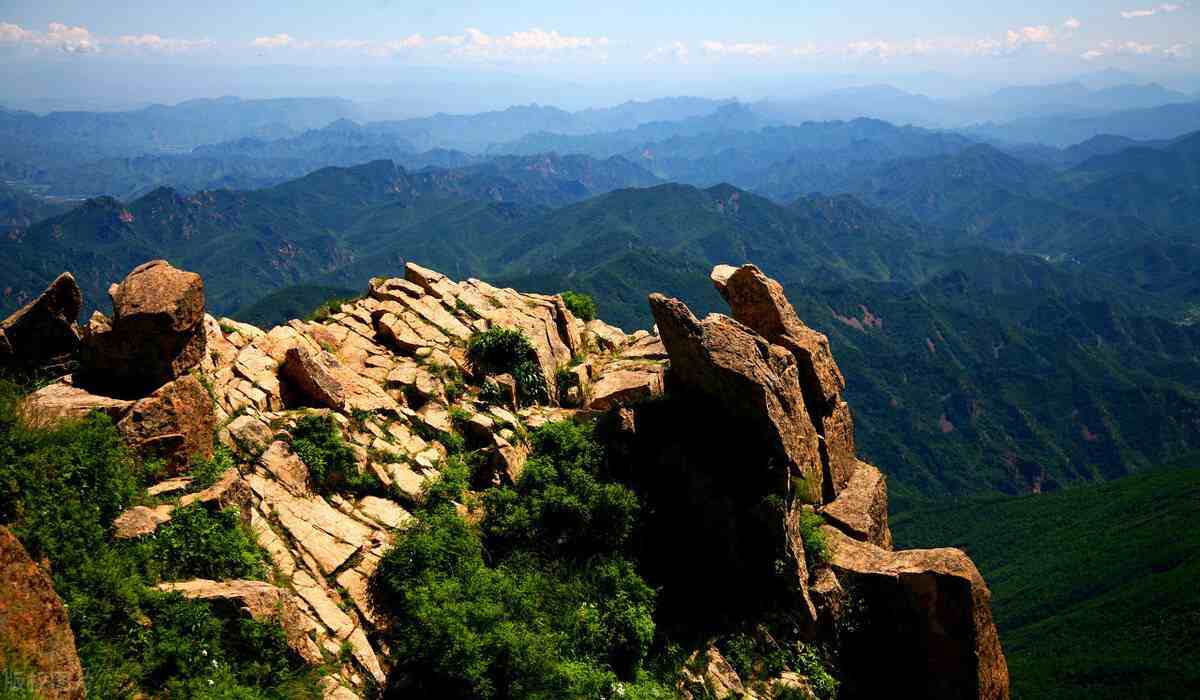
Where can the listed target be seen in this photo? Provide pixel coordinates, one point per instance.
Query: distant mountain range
(1018, 372)
(241, 144)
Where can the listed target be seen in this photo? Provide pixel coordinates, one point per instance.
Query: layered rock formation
(742, 439)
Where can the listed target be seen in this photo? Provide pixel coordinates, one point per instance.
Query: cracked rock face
(929, 609)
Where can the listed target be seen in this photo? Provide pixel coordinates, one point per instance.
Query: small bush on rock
(504, 350)
(332, 466)
(581, 305)
(816, 548)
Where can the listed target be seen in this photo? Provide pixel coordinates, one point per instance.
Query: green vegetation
(816, 549)
(60, 490)
(206, 472)
(760, 656)
(583, 306)
(505, 350)
(555, 609)
(544, 597)
(1093, 589)
(332, 467)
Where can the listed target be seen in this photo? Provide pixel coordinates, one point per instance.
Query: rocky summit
(711, 418)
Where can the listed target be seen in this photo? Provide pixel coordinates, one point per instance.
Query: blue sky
(1020, 41)
(613, 33)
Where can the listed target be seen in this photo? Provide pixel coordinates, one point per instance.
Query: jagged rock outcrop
(43, 334)
(155, 335)
(930, 609)
(752, 377)
(758, 302)
(35, 635)
(175, 423)
(734, 431)
(861, 509)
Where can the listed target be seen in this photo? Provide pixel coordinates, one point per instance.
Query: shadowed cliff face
(754, 435)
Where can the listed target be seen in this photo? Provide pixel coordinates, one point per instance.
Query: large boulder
(861, 509)
(63, 400)
(931, 610)
(174, 423)
(312, 379)
(748, 376)
(35, 634)
(43, 334)
(759, 302)
(156, 333)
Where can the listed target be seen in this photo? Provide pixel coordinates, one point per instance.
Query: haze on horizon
(468, 56)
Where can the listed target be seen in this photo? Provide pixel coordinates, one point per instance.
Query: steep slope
(1093, 587)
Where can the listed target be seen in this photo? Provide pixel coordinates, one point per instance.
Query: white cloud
(1165, 8)
(1072, 24)
(751, 49)
(57, 36)
(674, 52)
(154, 42)
(1040, 34)
(13, 34)
(535, 43)
(472, 44)
(1137, 48)
(275, 41)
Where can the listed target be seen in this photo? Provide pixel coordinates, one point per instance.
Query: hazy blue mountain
(76, 136)
(1162, 122)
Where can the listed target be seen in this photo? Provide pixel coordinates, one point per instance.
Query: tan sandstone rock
(156, 334)
(725, 360)
(34, 630)
(175, 423)
(860, 510)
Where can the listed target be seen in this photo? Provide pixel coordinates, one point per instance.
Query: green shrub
(808, 661)
(332, 467)
(201, 544)
(330, 307)
(206, 472)
(496, 616)
(816, 548)
(559, 505)
(60, 489)
(504, 350)
(581, 305)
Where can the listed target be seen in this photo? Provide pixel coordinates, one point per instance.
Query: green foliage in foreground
(543, 598)
(505, 350)
(583, 306)
(60, 489)
(317, 440)
(1093, 589)
(539, 605)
